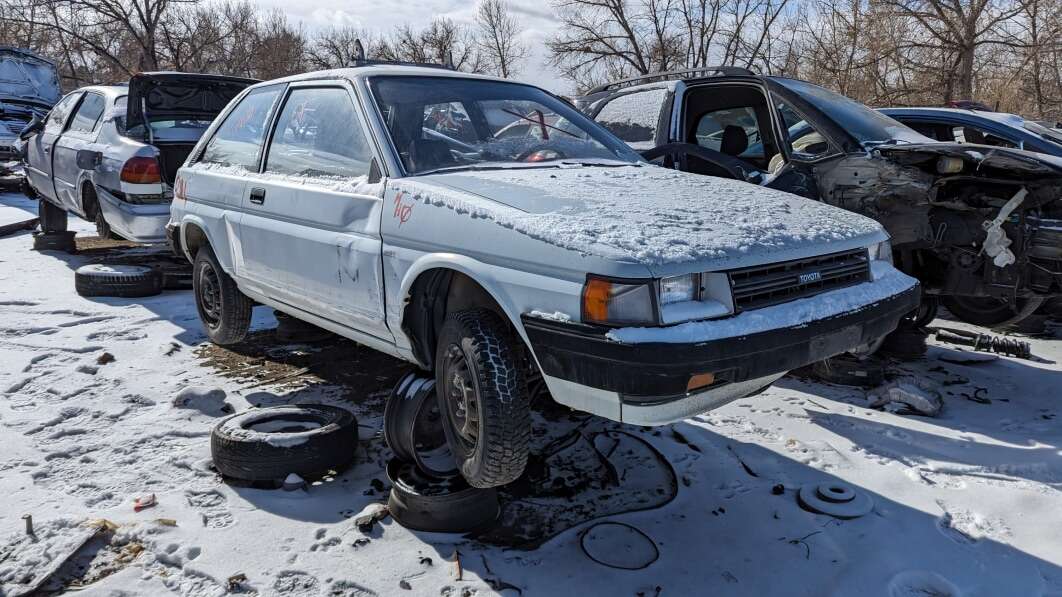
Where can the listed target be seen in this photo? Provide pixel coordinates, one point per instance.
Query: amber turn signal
(700, 380)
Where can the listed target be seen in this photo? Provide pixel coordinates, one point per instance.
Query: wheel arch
(439, 287)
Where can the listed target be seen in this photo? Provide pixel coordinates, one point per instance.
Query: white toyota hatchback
(486, 231)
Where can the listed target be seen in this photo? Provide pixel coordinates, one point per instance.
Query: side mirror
(88, 160)
(33, 127)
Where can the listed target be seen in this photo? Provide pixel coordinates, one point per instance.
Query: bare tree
(499, 38)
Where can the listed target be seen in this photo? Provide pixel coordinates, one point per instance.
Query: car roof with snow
(1000, 117)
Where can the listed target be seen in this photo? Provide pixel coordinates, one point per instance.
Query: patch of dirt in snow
(260, 360)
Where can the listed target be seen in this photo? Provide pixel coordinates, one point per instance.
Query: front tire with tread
(223, 309)
(503, 430)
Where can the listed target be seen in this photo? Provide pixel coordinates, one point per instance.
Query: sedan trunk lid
(179, 96)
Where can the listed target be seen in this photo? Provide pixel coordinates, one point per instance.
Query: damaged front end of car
(981, 226)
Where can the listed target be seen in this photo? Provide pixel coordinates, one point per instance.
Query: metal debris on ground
(618, 545)
(984, 342)
(904, 397)
(235, 582)
(836, 499)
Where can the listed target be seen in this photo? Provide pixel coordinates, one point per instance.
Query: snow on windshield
(443, 123)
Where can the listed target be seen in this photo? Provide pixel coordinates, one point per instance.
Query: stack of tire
(53, 235)
(428, 492)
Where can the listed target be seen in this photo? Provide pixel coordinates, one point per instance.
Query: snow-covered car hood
(661, 218)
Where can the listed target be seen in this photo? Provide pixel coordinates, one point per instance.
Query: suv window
(319, 133)
(803, 140)
(633, 117)
(59, 112)
(88, 113)
(238, 140)
(717, 129)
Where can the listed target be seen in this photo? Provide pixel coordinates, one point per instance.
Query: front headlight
(679, 289)
(618, 302)
(881, 251)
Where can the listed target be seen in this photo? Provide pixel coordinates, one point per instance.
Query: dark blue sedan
(983, 128)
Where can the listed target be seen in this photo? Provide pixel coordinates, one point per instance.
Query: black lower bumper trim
(583, 354)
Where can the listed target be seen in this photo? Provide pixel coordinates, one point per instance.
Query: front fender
(516, 292)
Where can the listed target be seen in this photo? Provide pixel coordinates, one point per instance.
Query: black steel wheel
(223, 309)
(483, 397)
(988, 311)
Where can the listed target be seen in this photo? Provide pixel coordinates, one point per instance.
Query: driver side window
(803, 140)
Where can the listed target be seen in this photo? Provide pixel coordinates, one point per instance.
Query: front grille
(765, 285)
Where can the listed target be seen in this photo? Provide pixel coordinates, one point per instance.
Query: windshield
(445, 123)
(29, 79)
(868, 126)
(1049, 134)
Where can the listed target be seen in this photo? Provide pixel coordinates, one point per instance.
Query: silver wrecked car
(29, 86)
(110, 153)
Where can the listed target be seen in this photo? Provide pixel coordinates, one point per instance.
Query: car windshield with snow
(492, 235)
(977, 225)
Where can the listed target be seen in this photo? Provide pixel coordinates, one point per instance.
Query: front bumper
(657, 373)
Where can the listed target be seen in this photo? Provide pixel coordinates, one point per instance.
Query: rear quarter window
(633, 117)
(238, 141)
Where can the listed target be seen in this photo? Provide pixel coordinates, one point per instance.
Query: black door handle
(258, 195)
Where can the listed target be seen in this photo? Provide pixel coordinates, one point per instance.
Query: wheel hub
(461, 400)
(210, 294)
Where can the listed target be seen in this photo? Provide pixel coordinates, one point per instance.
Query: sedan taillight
(142, 171)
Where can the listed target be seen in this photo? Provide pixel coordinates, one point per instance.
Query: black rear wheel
(223, 309)
(483, 397)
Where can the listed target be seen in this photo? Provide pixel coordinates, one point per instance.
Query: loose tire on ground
(268, 444)
(53, 219)
(424, 503)
(223, 309)
(124, 281)
(483, 397)
(54, 241)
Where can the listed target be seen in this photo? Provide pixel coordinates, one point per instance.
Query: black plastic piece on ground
(268, 444)
(439, 505)
(847, 370)
(905, 344)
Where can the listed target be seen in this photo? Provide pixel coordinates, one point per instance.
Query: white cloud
(384, 15)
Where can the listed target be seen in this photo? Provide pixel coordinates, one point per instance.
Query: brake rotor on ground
(421, 502)
(836, 499)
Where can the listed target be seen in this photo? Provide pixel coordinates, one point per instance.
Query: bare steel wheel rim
(210, 295)
(462, 400)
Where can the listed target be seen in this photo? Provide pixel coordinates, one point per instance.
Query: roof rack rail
(671, 74)
(360, 60)
(402, 63)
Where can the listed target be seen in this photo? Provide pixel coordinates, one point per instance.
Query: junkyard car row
(486, 231)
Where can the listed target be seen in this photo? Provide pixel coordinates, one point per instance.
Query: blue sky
(383, 15)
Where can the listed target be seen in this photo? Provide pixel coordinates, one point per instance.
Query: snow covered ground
(966, 503)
